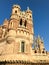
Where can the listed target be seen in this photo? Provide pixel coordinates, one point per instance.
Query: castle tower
(21, 25)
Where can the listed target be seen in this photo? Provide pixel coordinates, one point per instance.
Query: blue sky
(40, 9)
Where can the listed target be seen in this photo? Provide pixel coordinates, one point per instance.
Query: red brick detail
(15, 24)
(29, 27)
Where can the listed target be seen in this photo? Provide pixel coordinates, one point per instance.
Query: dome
(16, 6)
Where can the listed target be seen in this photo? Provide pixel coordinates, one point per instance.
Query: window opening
(15, 11)
(42, 51)
(25, 23)
(20, 21)
(35, 51)
(22, 46)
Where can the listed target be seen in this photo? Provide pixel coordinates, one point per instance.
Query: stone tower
(21, 23)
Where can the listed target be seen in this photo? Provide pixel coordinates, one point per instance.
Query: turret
(29, 15)
(41, 45)
(15, 11)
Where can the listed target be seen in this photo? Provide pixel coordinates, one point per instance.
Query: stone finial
(38, 39)
(28, 8)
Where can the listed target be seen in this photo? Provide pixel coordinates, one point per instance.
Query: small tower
(29, 15)
(30, 20)
(40, 44)
(15, 11)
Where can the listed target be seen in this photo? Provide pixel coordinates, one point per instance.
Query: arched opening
(12, 24)
(43, 52)
(22, 46)
(35, 51)
(30, 16)
(20, 21)
(15, 11)
(25, 23)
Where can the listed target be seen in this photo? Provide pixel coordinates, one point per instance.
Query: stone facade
(18, 46)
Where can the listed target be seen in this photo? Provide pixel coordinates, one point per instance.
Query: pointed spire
(42, 39)
(39, 37)
(28, 8)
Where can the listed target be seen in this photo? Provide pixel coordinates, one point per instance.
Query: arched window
(43, 52)
(15, 11)
(22, 46)
(20, 21)
(12, 24)
(25, 23)
(35, 51)
(30, 16)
